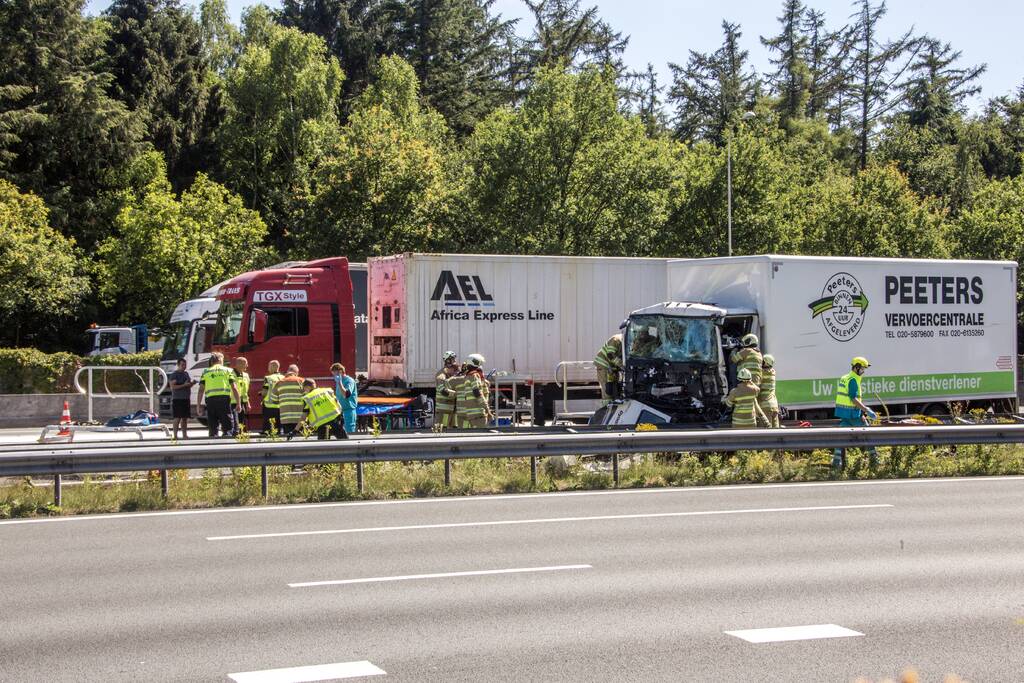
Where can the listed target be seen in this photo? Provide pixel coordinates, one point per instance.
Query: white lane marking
(493, 498)
(306, 674)
(542, 520)
(442, 575)
(784, 633)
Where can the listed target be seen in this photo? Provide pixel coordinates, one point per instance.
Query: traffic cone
(65, 421)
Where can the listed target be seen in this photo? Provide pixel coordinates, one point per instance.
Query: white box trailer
(525, 314)
(934, 331)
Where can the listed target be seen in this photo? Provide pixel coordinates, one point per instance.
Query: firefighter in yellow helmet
(444, 397)
(746, 413)
(748, 358)
(766, 397)
(472, 403)
(608, 362)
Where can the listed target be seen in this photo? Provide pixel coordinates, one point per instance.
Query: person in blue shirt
(850, 409)
(346, 389)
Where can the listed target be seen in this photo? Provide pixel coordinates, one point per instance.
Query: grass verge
(415, 479)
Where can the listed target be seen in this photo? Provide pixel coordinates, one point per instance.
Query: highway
(856, 579)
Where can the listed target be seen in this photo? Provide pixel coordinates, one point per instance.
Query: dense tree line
(151, 151)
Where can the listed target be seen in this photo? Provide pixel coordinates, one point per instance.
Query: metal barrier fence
(152, 391)
(42, 460)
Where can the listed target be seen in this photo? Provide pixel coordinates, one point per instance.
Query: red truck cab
(301, 314)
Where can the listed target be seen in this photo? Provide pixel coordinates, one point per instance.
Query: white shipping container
(525, 314)
(933, 330)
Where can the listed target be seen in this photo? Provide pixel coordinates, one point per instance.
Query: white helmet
(476, 360)
(769, 360)
(743, 374)
(749, 340)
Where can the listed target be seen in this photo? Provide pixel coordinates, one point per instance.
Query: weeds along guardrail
(137, 457)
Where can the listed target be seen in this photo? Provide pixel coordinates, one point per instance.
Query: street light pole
(728, 172)
(728, 184)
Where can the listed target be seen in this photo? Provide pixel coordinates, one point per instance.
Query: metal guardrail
(152, 456)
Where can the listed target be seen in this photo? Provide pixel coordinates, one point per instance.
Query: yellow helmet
(860, 361)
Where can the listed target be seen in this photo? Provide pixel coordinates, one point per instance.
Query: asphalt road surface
(850, 579)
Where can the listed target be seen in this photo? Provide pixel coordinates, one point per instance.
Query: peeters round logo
(841, 307)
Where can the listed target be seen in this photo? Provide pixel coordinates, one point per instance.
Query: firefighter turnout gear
(454, 386)
(766, 396)
(445, 398)
(287, 393)
(746, 413)
(608, 362)
(472, 408)
(748, 359)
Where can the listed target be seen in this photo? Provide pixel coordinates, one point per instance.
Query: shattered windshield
(654, 337)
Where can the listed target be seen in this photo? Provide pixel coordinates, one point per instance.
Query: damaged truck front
(674, 367)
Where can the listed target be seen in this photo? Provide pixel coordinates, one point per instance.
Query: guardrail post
(88, 396)
(447, 472)
(359, 476)
(533, 471)
(152, 396)
(264, 482)
(164, 486)
(57, 497)
(615, 469)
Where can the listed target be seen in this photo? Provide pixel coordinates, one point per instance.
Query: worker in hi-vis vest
(323, 411)
(218, 386)
(850, 409)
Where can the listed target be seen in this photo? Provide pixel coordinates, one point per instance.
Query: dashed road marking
(441, 575)
(545, 520)
(786, 633)
(307, 674)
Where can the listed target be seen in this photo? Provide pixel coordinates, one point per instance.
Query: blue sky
(662, 31)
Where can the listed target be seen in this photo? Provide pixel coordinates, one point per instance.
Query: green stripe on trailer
(795, 392)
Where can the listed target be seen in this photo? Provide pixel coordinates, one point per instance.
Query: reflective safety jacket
(217, 381)
(472, 399)
(242, 382)
(268, 383)
(321, 406)
(609, 358)
(766, 397)
(745, 409)
(847, 389)
(750, 359)
(287, 393)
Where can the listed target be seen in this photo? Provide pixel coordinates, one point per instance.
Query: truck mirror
(258, 333)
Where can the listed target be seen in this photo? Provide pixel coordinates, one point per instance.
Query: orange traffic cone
(65, 421)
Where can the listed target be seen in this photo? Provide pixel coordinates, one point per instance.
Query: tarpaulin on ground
(379, 405)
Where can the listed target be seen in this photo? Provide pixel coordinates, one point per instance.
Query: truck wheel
(936, 410)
